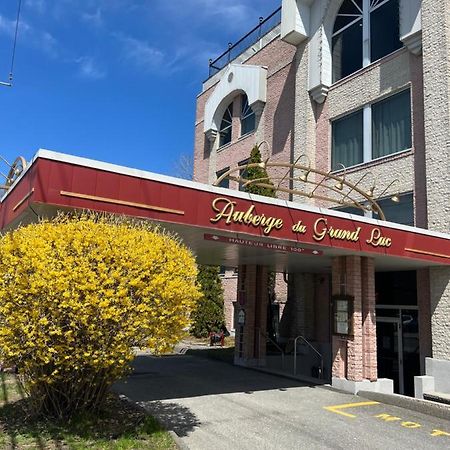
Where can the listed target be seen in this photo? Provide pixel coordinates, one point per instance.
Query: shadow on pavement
(173, 416)
(160, 383)
(184, 376)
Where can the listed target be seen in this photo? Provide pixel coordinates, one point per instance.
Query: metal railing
(267, 337)
(313, 348)
(251, 38)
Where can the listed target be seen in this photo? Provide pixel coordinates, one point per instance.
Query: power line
(13, 56)
(15, 40)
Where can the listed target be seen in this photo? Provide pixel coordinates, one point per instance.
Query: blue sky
(114, 80)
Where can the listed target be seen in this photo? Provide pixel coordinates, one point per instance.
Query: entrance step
(431, 408)
(290, 375)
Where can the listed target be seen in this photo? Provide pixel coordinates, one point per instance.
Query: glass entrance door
(389, 351)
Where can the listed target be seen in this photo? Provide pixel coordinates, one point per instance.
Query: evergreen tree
(209, 314)
(258, 173)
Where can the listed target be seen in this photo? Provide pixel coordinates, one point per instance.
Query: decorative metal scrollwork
(14, 172)
(321, 185)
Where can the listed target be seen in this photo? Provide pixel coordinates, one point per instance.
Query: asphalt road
(213, 405)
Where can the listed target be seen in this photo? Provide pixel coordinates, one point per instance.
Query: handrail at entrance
(313, 348)
(265, 335)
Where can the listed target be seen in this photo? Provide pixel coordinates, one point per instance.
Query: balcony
(254, 36)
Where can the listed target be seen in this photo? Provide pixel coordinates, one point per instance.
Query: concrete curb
(422, 406)
(179, 443)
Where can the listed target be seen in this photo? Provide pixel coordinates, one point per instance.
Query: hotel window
(401, 212)
(226, 126)
(375, 131)
(391, 125)
(225, 183)
(347, 141)
(364, 31)
(350, 210)
(247, 116)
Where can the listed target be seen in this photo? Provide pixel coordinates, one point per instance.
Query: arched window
(364, 31)
(226, 126)
(247, 116)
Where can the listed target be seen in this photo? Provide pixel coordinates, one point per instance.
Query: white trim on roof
(137, 173)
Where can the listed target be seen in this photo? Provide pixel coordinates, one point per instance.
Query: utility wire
(9, 83)
(15, 41)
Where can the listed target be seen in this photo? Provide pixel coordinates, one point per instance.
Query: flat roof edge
(138, 173)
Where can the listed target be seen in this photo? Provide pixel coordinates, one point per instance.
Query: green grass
(119, 426)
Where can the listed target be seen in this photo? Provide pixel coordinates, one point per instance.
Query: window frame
(406, 196)
(363, 16)
(246, 113)
(333, 125)
(228, 129)
(367, 130)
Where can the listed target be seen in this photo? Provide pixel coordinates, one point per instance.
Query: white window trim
(366, 33)
(367, 133)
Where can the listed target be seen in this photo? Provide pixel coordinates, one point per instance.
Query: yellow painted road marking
(410, 425)
(439, 433)
(387, 417)
(337, 408)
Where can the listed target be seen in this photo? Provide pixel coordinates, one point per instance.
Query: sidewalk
(210, 404)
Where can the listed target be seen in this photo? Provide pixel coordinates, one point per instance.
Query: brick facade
(250, 337)
(355, 357)
(293, 124)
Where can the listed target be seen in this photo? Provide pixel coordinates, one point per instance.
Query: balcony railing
(253, 36)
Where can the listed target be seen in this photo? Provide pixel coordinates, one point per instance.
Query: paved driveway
(213, 405)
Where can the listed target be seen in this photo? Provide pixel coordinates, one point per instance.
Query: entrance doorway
(389, 354)
(398, 329)
(398, 348)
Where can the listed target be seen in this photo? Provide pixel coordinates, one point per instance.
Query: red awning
(221, 226)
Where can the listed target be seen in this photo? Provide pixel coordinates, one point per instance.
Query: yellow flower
(77, 293)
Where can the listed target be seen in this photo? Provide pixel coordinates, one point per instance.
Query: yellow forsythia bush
(77, 293)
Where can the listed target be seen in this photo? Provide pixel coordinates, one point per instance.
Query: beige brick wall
(436, 74)
(369, 84)
(305, 118)
(440, 311)
(391, 74)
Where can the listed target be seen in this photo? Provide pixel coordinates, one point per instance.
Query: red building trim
(56, 180)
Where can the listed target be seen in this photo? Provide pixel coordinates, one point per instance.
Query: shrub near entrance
(77, 293)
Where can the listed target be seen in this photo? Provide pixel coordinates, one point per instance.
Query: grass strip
(119, 426)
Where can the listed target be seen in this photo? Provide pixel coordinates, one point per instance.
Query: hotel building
(359, 90)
